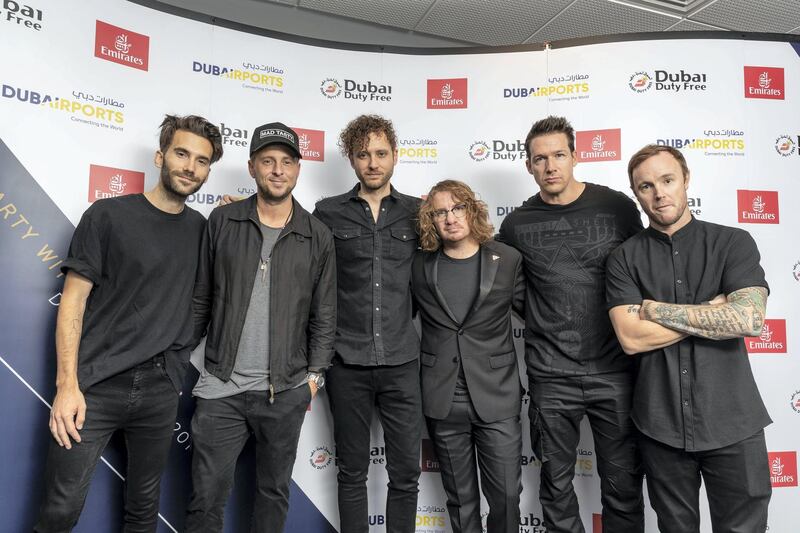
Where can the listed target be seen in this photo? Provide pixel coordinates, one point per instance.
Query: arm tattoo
(633, 309)
(743, 315)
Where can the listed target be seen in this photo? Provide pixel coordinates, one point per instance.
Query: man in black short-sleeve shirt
(681, 295)
(575, 365)
(123, 329)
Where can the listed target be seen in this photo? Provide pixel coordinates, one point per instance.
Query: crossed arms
(652, 325)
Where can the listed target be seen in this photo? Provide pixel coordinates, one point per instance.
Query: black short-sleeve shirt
(697, 394)
(142, 262)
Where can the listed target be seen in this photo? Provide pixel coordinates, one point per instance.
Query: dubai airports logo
(354, 90)
(561, 87)
(108, 182)
(771, 340)
(479, 151)
(640, 82)
(447, 94)
(758, 207)
(430, 463)
(122, 46)
(320, 457)
(418, 151)
(786, 146)
(584, 463)
(666, 80)
(252, 76)
(330, 88)
(312, 144)
(721, 142)
(21, 15)
(430, 516)
(598, 145)
(783, 469)
(764, 82)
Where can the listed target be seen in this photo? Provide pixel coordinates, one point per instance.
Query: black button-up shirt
(373, 272)
(697, 394)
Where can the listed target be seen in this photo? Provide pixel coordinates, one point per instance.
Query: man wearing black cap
(263, 364)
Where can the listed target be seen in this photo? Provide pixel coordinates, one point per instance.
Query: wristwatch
(317, 378)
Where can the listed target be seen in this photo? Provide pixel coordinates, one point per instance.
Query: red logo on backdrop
(121, 46)
(771, 340)
(312, 144)
(447, 94)
(599, 145)
(763, 82)
(783, 469)
(597, 523)
(758, 207)
(108, 182)
(430, 463)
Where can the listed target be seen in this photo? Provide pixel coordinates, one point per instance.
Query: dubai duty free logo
(330, 88)
(640, 82)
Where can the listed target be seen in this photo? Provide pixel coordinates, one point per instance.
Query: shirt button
(678, 282)
(377, 334)
(383, 209)
(685, 402)
(675, 252)
(377, 284)
(684, 371)
(376, 258)
(461, 332)
(377, 308)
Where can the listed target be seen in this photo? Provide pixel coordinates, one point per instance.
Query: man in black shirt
(124, 324)
(466, 285)
(377, 349)
(575, 364)
(266, 293)
(681, 295)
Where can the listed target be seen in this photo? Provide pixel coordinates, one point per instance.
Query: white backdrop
(63, 109)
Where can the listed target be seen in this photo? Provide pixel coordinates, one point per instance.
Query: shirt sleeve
(621, 288)
(743, 264)
(85, 256)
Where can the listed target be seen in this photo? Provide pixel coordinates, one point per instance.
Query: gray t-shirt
(251, 369)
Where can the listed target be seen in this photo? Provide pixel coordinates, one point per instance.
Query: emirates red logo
(430, 463)
(312, 144)
(783, 469)
(771, 340)
(447, 94)
(108, 182)
(122, 46)
(758, 207)
(764, 82)
(598, 145)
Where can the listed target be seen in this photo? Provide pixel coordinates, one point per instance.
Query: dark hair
(652, 150)
(477, 215)
(546, 126)
(193, 124)
(355, 136)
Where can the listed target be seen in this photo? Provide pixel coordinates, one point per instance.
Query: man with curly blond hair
(466, 285)
(375, 365)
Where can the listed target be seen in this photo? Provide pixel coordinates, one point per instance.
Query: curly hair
(546, 126)
(193, 124)
(355, 136)
(477, 215)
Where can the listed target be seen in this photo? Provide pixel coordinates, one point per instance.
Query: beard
(169, 180)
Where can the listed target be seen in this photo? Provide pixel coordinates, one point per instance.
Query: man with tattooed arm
(681, 295)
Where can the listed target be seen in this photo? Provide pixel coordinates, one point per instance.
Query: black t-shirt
(564, 250)
(142, 262)
(459, 281)
(697, 394)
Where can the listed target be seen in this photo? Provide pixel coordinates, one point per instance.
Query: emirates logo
(764, 81)
(116, 184)
(121, 43)
(766, 333)
(305, 142)
(758, 204)
(447, 91)
(598, 143)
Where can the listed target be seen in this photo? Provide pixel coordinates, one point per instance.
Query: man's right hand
(67, 415)
(229, 199)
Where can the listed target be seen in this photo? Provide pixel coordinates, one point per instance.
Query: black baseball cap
(274, 133)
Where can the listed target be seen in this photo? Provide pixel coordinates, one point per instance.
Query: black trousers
(456, 440)
(220, 429)
(355, 392)
(736, 479)
(557, 407)
(143, 404)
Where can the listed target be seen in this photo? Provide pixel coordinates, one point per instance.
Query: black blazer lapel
(431, 267)
(490, 262)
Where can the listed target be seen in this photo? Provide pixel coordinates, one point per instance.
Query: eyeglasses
(459, 211)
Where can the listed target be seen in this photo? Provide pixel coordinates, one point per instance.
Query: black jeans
(499, 447)
(143, 404)
(736, 479)
(354, 393)
(220, 429)
(557, 407)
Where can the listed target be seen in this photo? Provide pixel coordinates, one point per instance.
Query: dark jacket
(483, 341)
(302, 292)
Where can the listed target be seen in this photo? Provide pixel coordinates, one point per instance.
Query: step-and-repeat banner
(84, 85)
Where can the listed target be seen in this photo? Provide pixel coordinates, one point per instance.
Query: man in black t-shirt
(575, 364)
(123, 327)
(681, 295)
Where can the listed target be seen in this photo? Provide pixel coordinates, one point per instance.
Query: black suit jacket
(484, 341)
